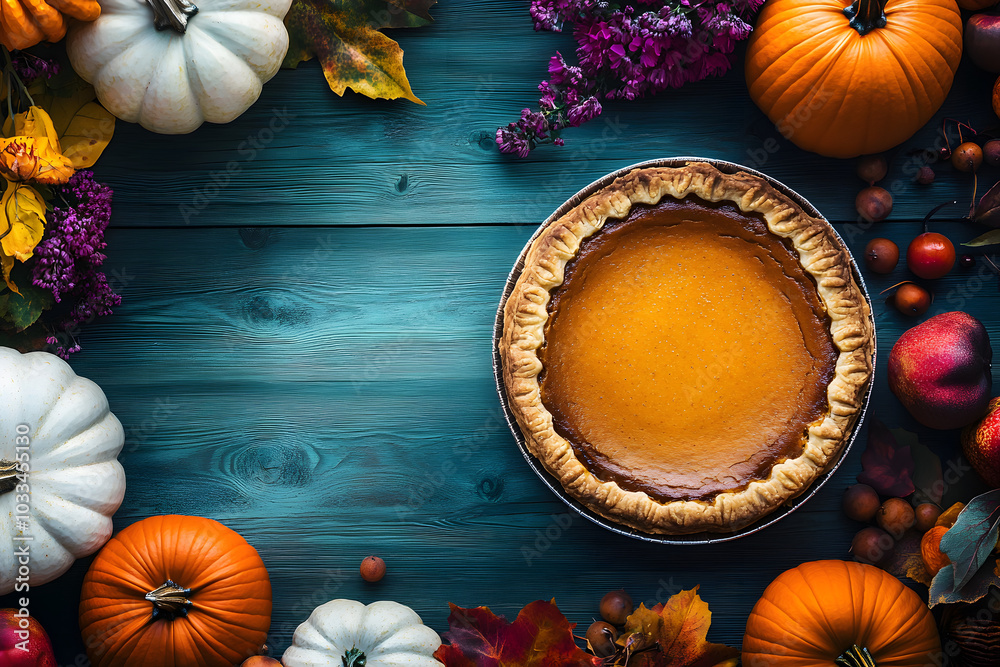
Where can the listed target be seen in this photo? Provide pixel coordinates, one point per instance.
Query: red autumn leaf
(539, 636)
(887, 467)
(680, 628)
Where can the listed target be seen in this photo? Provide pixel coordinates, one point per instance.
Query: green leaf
(989, 238)
(943, 591)
(25, 308)
(970, 542)
(344, 35)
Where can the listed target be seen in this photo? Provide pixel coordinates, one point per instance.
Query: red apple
(982, 40)
(23, 642)
(940, 370)
(981, 444)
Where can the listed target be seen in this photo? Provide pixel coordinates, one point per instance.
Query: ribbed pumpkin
(24, 23)
(173, 591)
(844, 79)
(819, 612)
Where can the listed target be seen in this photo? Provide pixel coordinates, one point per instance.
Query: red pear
(940, 370)
(981, 444)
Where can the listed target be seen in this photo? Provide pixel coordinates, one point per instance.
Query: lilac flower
(68, 259)
(29, 67)
(625, 50)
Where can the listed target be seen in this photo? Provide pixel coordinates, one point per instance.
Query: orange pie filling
(687, 351)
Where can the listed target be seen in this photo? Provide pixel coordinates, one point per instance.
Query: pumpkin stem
(866, 15)
(354, 658)
(8, 476)
(169, 601)
(172, 14)
(856, 657)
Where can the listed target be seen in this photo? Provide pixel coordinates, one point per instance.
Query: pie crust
(821, 255)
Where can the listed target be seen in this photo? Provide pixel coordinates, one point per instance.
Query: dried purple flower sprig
(68, 260)
(625, 51)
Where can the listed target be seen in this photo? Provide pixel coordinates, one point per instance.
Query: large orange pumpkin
(843, 79)
(175, 591)
(24, 23)
(818, 612)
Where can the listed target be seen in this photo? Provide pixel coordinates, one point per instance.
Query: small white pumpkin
(58, 426)
(345, 632)
(171, 65)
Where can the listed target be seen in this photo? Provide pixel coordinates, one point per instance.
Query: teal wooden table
(303, 348)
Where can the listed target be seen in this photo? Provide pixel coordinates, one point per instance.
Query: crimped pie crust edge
(821, 254)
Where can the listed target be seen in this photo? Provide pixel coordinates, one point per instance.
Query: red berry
(991, 152)
(912, 299)
(872, 168)
(925, 176)
(931, 255)
(967, 157)
(881, 255)
(372, 569)
(874, 204)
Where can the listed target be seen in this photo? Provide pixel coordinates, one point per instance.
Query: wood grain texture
(303, 350)
(328, 393)
(303, 156)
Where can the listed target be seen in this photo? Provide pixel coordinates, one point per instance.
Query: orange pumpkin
(24, 23)
(825, 610)
(175, 590)
(844, 80)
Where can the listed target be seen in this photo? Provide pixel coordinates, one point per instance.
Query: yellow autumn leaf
(6, 265)
(89, 132)
(31, 150)
(23, 221)
(70, 105)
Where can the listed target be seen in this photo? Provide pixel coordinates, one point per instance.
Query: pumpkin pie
(686, 350)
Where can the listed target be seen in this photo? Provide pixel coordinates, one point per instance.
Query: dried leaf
(987, 211)
(943, 589)
(540, 635)
(345, 35)
(681, 635)
(905, 559)
(928, 477)
(887, 467)
(991, 237)
(971, 541)
(22, 222)
(950, 515)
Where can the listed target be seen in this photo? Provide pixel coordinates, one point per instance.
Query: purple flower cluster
(69, 258)
(625, 51)
(29, 67)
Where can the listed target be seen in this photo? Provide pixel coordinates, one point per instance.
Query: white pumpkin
(59, 427)
(170, 65)
(345, 632)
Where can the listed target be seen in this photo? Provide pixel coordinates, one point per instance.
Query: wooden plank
(303, 156)
(328, 393)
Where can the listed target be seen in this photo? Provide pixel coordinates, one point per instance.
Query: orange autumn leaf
(33, 152)
(540, 636)
(680, 628)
